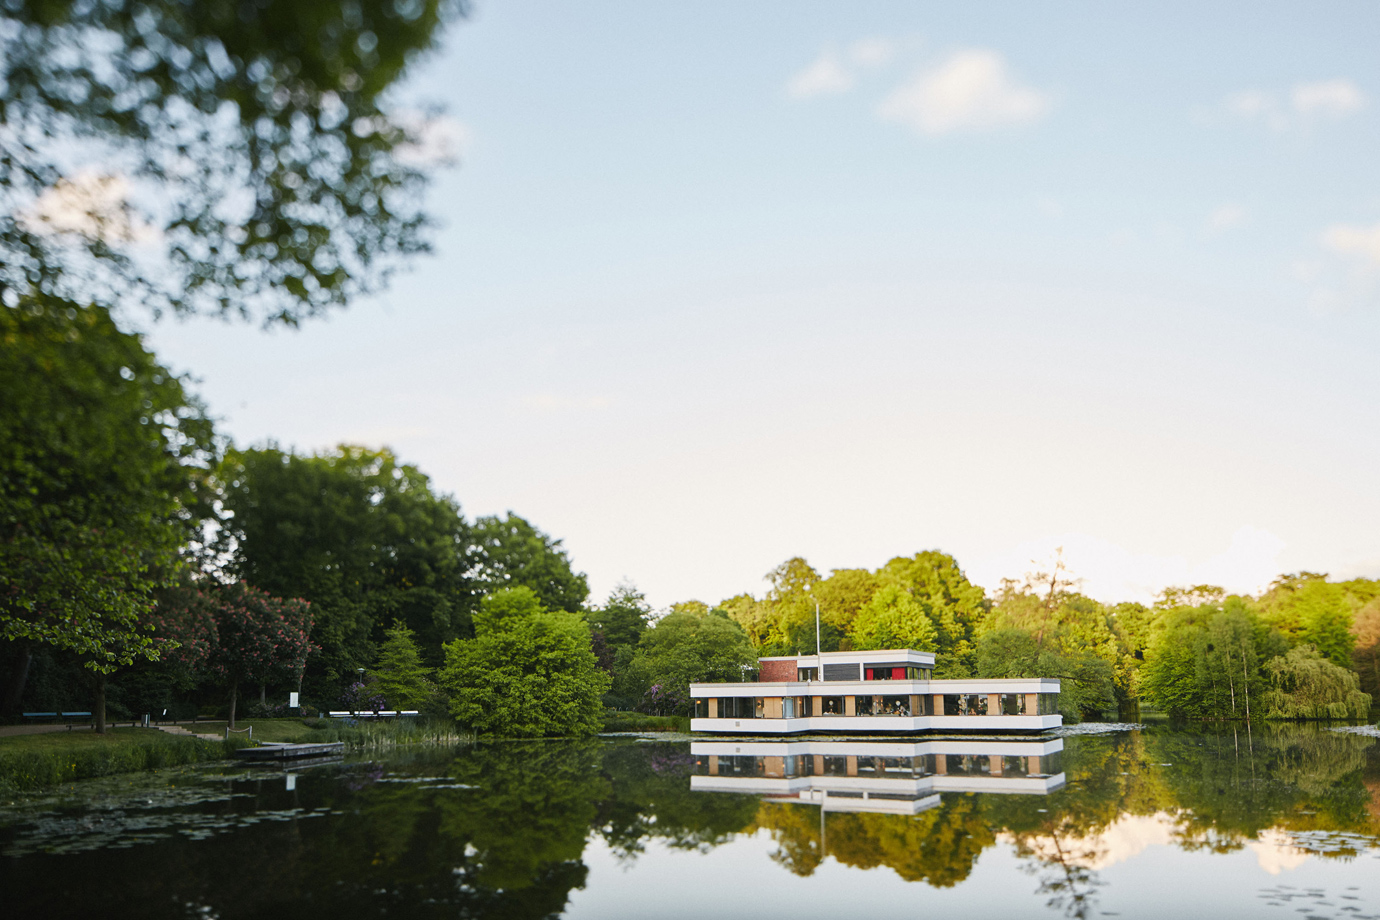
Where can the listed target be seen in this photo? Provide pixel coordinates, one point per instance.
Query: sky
(719, 284)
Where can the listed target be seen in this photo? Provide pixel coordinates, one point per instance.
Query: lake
(1274, 821)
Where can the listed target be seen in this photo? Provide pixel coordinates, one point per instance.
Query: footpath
(170, 728)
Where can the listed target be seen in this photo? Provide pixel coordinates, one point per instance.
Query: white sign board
(292, 701)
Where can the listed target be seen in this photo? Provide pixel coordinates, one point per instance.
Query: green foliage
(265, 174)
(509, 552)
(689, 644)
(1085, 687)
(1310, 610)
(1308, 686)
(893, 619)
(528, 672)
(1366, 656)
(1204, 662)
(922, 601)
(31, 762)
(623, 618)
(103, 479)
(954, 605)
(359, 535)
(399, 673)
(505, 606)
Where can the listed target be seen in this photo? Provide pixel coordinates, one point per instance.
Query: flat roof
(872, 656)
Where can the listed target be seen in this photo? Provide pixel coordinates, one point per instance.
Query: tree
(691, 643)
(259, 639)
(1085, 680)
(1366, 657)
(954, 605)
(893, 619)
(1310, 610)
(210, 157)
(1308, 686)
(623, 618)
(399, 673)
(510, 552)
(104, 463)
(360, 535)
(528, 672)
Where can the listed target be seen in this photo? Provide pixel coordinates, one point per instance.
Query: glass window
(805, 706)
(702, 707)
(739, 707)
(967, 704)
(895, 706)
(788, 708)
(862, 705)
(1013, 704)
(831, 706)
(835, 766)
(807, 674)
(1049, 704)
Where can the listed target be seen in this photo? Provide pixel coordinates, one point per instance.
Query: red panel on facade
(898, 673)
(778, 670)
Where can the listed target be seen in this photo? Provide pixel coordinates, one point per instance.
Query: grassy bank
(29, 762)
(619, 721)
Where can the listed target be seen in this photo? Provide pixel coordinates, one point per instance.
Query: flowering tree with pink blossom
(259, 639)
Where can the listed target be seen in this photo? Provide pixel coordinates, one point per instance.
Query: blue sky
(720, 284)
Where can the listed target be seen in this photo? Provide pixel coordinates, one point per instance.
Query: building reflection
(876, 776)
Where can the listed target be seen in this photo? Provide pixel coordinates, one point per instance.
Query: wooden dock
(279, 751)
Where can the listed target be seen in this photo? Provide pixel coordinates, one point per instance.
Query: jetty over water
(270, 750)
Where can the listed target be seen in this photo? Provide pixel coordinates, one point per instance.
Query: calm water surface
(1281, 822)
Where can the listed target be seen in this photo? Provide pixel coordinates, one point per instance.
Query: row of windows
(869, 672)
(878, 767)
(802, 707)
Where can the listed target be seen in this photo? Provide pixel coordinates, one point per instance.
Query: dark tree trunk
(14, 693)
(100, 704)
(234, 694)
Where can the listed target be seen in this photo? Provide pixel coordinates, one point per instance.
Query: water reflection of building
(898, 777)
(887, 691)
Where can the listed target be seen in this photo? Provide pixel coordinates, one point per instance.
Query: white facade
(876, 692)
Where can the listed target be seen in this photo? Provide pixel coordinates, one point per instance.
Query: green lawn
(264, 729)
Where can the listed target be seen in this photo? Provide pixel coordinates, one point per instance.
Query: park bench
(81, 718)
(40, 716)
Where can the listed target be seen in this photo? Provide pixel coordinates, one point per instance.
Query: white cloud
(826, 76)
(1304, 103)
(1360, 243)
(1335, 98)
(89, 204)
(971, 90)
(872, 52)
(1275, 852)
(1349, 273)
(1225, 218)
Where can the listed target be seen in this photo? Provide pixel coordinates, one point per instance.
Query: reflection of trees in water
(500, 829)
(1228, 787)
(938, 846)
(652, 800)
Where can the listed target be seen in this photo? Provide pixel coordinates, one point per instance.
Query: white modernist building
(875, 692)
(895, 777)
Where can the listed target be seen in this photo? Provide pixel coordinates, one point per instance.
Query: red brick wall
(777, 670)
